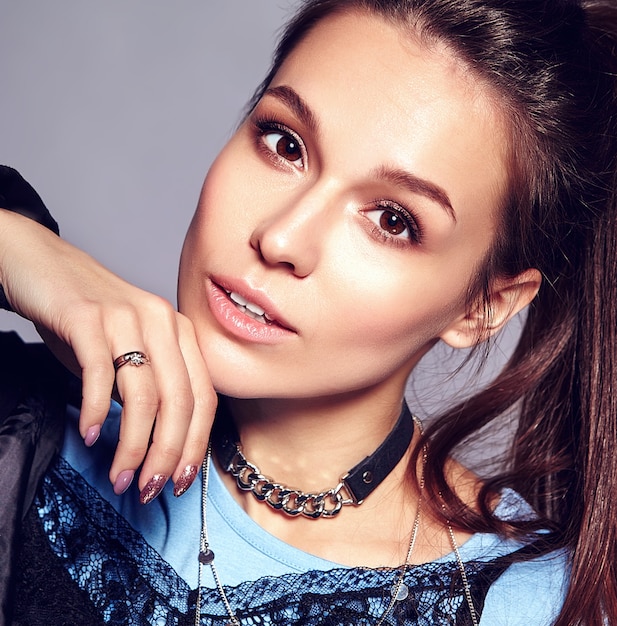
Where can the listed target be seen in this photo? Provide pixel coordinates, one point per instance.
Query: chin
(240, 380)
(245, 384)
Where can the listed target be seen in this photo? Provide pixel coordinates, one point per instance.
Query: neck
(317, 440)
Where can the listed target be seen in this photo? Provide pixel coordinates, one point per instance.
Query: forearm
(18, 196)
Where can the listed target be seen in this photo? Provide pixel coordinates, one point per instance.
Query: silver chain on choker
(352, 489)
(398, 592)
(292, 502)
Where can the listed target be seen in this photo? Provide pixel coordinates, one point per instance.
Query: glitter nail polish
(185, 480)
(153, 487)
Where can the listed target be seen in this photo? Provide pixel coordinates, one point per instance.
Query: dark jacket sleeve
(34, 389)
(33, 395)
(17, 195)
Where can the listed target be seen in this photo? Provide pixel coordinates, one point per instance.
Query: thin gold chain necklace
(398, 592)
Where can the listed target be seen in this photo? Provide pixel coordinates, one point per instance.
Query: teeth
(237, 298)
(254, 308)
(251, 309)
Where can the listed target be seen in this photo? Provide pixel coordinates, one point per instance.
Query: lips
(246, 313)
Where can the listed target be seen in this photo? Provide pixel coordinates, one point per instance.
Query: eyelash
(265, 126)
(412, 224)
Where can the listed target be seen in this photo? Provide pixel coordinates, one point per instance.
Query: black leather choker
(353, 488)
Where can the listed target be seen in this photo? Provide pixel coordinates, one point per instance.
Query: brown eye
(284, 145)
(288, 148)
(392, 223)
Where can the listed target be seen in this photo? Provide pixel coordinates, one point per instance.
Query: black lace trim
(86, 565)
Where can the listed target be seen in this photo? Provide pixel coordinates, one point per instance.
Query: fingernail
(185, 480)
(92, 435)
(123, 482)
(153, 488)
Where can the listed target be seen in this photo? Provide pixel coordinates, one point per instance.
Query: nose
(292, 236)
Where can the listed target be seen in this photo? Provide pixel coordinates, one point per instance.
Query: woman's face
(353, 207)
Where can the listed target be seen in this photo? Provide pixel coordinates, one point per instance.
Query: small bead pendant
(206, 556)
(402, 593)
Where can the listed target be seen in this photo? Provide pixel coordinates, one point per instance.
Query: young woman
(409, 172)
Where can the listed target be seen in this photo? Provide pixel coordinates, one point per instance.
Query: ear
(508, 297)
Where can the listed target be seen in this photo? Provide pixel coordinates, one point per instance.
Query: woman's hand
(88, 316)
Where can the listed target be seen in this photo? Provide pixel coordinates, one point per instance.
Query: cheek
(231, 196)
(390, 317)
(221, 200)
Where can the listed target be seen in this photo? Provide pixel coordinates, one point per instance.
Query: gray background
(113, 110)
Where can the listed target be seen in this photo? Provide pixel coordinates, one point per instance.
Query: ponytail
(553, 66)
(564, 454)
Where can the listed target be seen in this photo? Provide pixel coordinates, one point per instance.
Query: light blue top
(527, 594)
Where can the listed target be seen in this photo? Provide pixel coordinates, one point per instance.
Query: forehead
(396, 99)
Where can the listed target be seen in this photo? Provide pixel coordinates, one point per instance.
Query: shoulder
(30, 374)
(33, 390)
(529, 592)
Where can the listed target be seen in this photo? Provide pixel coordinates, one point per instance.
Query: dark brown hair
(552, 64)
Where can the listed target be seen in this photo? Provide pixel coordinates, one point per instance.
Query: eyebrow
(416, 185)
(291, 98)
(395, 176)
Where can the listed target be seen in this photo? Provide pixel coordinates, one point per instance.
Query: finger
(173, 419)
(137, 388)
(97, 385)
(205, 401)
(91, 361)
